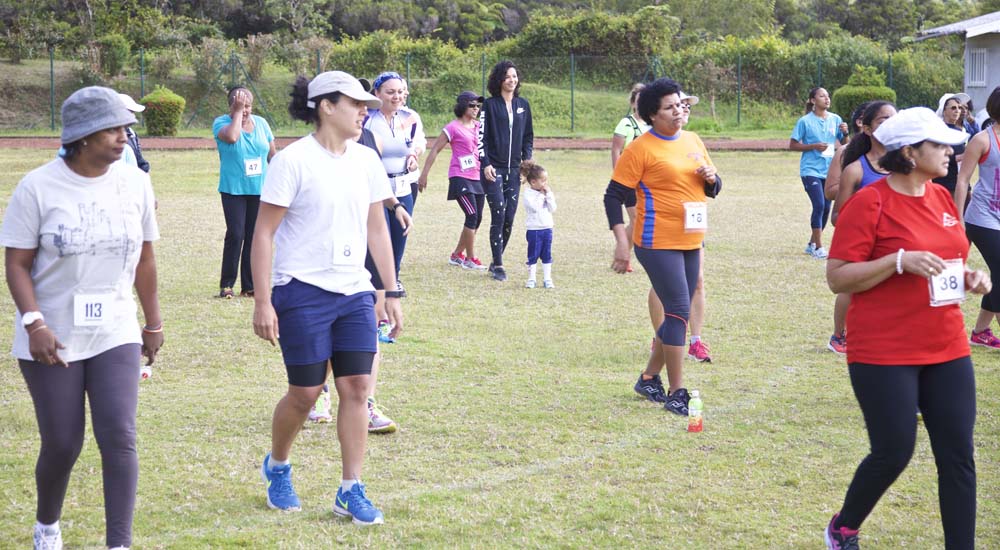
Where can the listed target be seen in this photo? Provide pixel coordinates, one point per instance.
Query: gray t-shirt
(88, 235)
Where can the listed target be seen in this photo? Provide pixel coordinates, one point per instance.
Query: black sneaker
(499, 274)
(491, 268)
(677, 402)
(651, 389)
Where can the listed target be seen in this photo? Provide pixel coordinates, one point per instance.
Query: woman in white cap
(79, 234)
(950, 111)
(901, 251)
(321, 205)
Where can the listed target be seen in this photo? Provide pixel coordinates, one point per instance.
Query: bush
(256, 48)
(864, 84)
(162, 63)
(163, 112)
(114, 52)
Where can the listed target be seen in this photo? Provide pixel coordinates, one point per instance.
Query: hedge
(163, 112)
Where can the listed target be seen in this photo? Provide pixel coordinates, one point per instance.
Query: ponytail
(530, 170)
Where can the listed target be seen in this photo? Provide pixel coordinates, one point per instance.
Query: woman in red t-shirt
(900, 250)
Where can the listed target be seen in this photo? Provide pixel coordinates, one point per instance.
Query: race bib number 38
(949, 286)
(695, 217)
(92, 309)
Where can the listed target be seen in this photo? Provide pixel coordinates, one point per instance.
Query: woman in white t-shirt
(321, 204)
(79, 234)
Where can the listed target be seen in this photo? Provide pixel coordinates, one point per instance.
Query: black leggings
(988, 243)
(502, 195)
(674, 275)
(110, 382)
(240, 212)
(472, 207)
(889, 396)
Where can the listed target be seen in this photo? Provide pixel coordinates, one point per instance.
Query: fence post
(232, 69)
(890, 69)
(319, 63)
(482, 70)
(739, 87)
(52, 88)
(819, 72)
(142, 72)
(572, 92)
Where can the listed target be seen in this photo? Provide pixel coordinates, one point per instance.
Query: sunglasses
(475, 105)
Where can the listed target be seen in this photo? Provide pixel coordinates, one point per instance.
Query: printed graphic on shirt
(94, 236)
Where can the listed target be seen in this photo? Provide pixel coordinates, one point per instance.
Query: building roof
(984, 24)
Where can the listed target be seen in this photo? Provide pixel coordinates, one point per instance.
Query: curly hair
(649, 99)
(497, 76)
(531, 170)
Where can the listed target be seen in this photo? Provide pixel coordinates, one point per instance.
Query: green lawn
(518, 424)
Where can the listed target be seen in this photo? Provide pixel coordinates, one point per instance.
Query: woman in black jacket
(505, 139)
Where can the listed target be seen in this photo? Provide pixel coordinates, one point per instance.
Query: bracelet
(395, 294)
(396, 206)
(36, 329)
(153, 330)
(899, 261)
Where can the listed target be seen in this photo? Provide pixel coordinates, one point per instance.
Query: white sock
(348, 484)
(695, 339)
(50, 529)
(532, 269)
(273, 463)
(546, 272)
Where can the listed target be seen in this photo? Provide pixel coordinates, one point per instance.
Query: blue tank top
(869, 175)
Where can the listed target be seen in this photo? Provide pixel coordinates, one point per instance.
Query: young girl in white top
(540, 203)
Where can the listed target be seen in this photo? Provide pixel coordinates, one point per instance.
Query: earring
(84, 143)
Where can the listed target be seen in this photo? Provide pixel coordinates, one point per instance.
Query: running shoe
(547, 283)
(355, 505)
(321, 409)
(820, 253)
(491, 268)
(145, 372)
(384, 328)
(246, 293)
(499, 274)
(399, 285)
(473, 263)
(842, 538)
(45, 539)
(699, 352)
(226, 293)
(457, 259)
(530, 283)
(838, 343)
(280, 493)
(378, 422)
(985, 339)
(810, 249)
(677, 402)
(651, 389)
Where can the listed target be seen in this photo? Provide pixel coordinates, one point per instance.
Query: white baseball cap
(691, 99)
(914, 125)
(131, 104)
(962, 98)
(339, 81)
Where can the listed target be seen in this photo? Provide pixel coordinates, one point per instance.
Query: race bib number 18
(695, 217)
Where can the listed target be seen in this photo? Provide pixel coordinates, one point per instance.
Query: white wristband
(899, 261)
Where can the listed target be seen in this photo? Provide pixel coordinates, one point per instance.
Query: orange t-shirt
(661, 169)
(893, 322)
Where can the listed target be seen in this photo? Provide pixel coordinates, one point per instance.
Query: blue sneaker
(280, 493)
(354, 504)
(383, 333)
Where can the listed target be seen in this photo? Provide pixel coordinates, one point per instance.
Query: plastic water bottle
(695, 412)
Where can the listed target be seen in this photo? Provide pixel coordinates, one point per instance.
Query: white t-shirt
(88, 233)
(539, 207)
(323, 236)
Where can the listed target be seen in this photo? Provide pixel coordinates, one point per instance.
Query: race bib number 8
(92, 309)
(949, 286)
(695, 217)
(253, 167)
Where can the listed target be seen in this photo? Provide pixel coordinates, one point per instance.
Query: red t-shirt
(893, 322)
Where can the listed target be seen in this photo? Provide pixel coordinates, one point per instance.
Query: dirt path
(540, 143)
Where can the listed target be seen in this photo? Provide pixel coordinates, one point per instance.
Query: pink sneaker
(699, 352)
(840, 539)
(457, 259)
(985, 339)
(838, 344)
(473, 263)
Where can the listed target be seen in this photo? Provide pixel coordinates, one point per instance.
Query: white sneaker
(321, 410)
(530, 283)
(45, 540)
(145, 372)
(547, 283)
(810, 248)
(820, 253)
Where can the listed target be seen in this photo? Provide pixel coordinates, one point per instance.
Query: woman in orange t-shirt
(670, 172)
(900, 250)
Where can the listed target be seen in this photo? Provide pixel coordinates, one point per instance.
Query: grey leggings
(111, 381)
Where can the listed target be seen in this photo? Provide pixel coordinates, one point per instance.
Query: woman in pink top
(463, 174)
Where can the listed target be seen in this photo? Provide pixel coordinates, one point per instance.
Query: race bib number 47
(254, 166)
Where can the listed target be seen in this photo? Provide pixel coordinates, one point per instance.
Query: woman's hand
(707, 173)
(844, 129)
(978, 282)
(265, 321)
(151, 344)
(411, 163)
(394, 312)
(44, 346)
(422, 182)
(490, 173)
(623, 255)
(923, 263)
(404, 219)
(819, 146)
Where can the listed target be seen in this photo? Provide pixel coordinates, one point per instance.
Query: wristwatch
(395, 294)
(396, 206)
(30, 317)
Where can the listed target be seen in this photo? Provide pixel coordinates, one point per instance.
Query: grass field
(518, 424)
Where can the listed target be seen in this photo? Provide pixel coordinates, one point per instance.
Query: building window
(976, 71)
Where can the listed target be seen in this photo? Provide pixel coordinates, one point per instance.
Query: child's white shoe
(530, 283)
(547, 283)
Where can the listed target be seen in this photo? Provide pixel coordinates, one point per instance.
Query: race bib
(949, 286)
(828, 152)
(349, 252)
(253, 167)
(695, 217)
(92, 309)
(467, 162)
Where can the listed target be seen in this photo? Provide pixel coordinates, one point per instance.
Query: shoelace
(46, 541)
(282, 483)
(357, 501)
